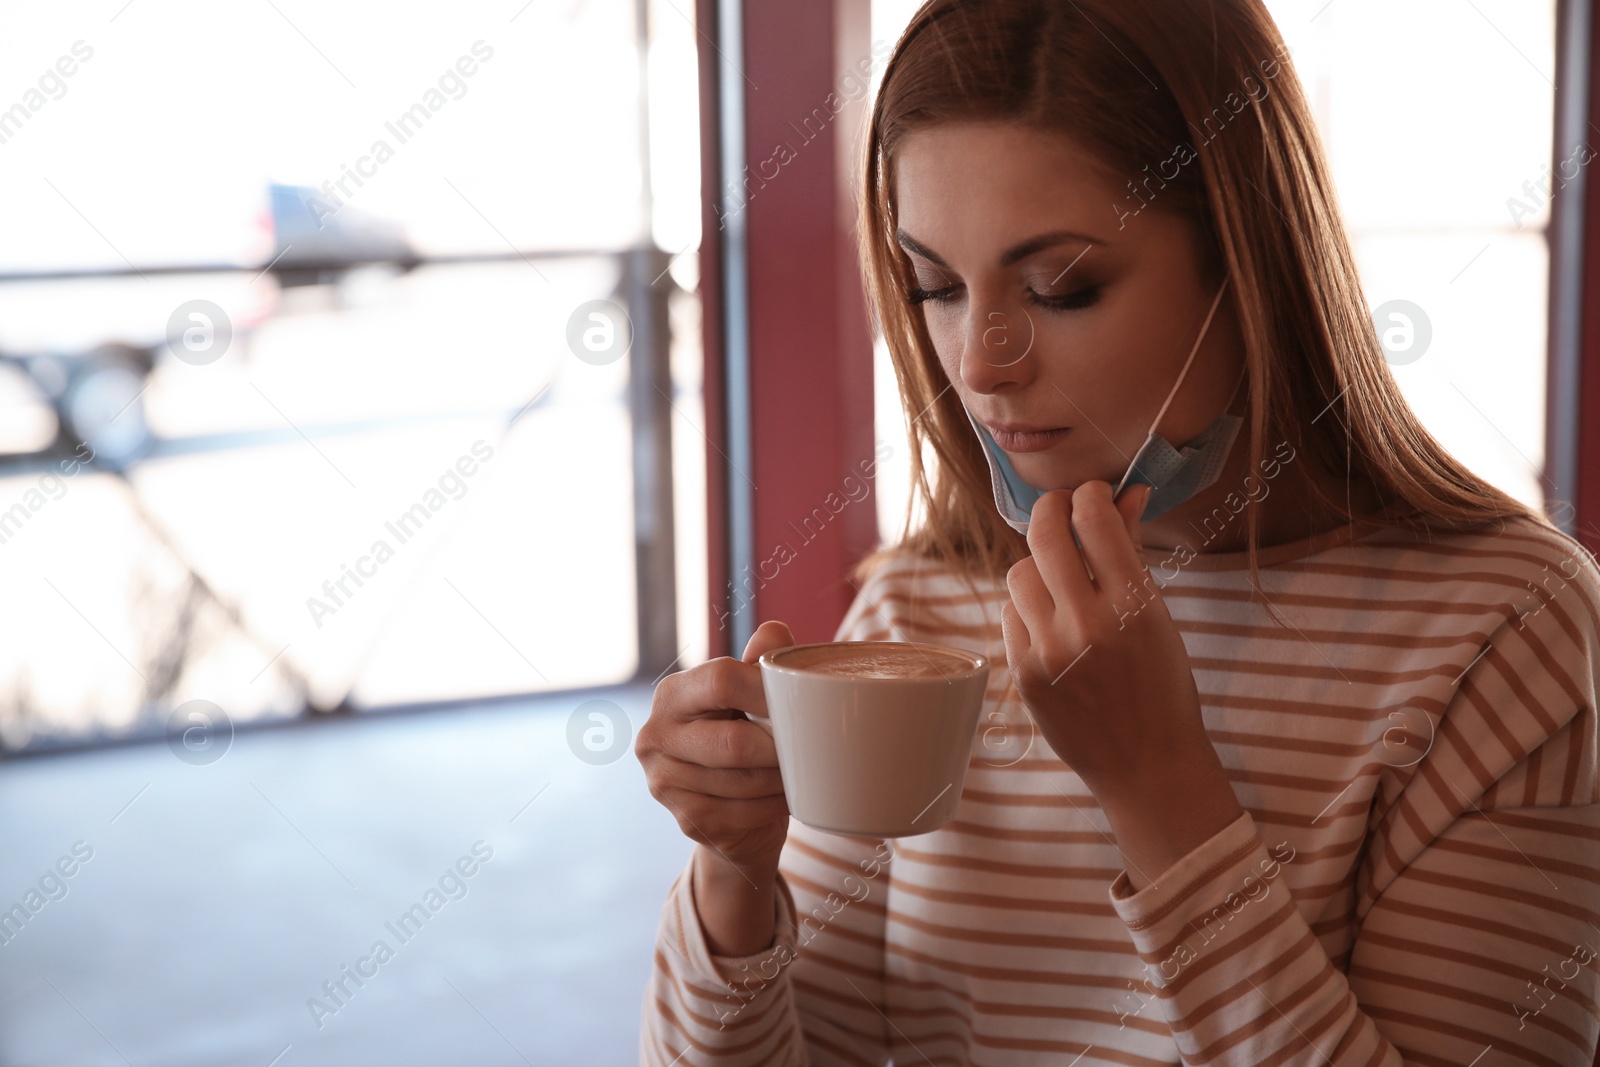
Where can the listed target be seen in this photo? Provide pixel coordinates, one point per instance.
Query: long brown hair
(1134, 81)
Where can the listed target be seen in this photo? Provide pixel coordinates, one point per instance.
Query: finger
(1032, 607)
(720, 744)
(1131, 506)
(715, 818)
(768, 636)
(1060, 564)
(716, 689)
(735, 783)
(1033, 621)
(1130, 597)
(1102, 527)
(1014, 634)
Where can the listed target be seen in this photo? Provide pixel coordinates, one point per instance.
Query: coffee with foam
(869, 659)
(873, 737)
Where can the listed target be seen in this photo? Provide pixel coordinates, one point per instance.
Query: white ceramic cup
(873, 753)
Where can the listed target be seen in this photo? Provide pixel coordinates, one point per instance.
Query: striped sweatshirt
(1415, 877)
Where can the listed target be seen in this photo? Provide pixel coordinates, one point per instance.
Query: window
(307, 282)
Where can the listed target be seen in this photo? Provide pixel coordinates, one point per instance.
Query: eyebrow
(1011, 255)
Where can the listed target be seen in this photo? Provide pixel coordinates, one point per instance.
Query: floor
(209, 903)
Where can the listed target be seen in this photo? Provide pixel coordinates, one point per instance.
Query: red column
(809, 354)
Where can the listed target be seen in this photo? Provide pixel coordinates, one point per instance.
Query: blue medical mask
(1174, 474)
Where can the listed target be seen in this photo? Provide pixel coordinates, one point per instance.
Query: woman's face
(1053, 308)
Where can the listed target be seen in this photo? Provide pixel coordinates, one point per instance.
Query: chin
(1047, 477)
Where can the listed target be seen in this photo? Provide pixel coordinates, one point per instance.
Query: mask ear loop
(1204, 328)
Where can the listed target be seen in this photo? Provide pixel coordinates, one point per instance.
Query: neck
(1278, 487)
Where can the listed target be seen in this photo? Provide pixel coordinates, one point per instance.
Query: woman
(1290, 750)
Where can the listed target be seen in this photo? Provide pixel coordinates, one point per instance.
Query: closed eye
(920, 295)
(1076, 301)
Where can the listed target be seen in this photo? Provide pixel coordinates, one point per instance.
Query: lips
(1016, 437)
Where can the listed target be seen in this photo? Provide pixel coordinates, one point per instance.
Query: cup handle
(761, 721)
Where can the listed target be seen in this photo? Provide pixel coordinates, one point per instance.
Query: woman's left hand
(1098, 661)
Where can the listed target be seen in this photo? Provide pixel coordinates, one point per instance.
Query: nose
(997, 347)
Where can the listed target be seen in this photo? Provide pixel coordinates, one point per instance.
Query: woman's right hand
(714, 770)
